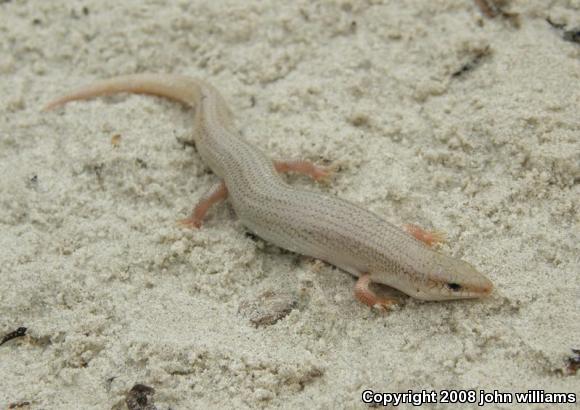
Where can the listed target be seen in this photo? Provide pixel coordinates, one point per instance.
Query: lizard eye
(454, 286)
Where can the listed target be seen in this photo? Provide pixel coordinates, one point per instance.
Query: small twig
(568, 35)
(475, 61)
(574, 362)
(572, 35)
(494, 8)
(488, 9)
(138, 398)
(18, 404)
(559, 26)
(21, 331)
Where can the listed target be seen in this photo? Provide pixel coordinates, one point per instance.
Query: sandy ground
(436, 114)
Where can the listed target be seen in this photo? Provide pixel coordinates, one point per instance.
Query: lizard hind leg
(304, 167)
(365, 295)
(215, 194)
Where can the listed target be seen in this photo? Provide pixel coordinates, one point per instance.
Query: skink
(306, 222)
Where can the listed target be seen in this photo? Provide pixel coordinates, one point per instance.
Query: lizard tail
(175, 87)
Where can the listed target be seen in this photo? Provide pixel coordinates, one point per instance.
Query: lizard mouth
(487, 289)
(481, 290)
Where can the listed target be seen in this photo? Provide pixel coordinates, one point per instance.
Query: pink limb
(304, 167)
(215, 194)
(365, 295)
(429, 238)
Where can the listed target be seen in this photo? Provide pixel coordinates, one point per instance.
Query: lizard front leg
(429, 238)
(364, 294)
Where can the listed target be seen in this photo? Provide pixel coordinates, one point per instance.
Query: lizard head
(447, 278)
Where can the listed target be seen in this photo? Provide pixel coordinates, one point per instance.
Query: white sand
(114, 294)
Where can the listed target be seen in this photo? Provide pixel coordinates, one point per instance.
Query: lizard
(306, 222)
